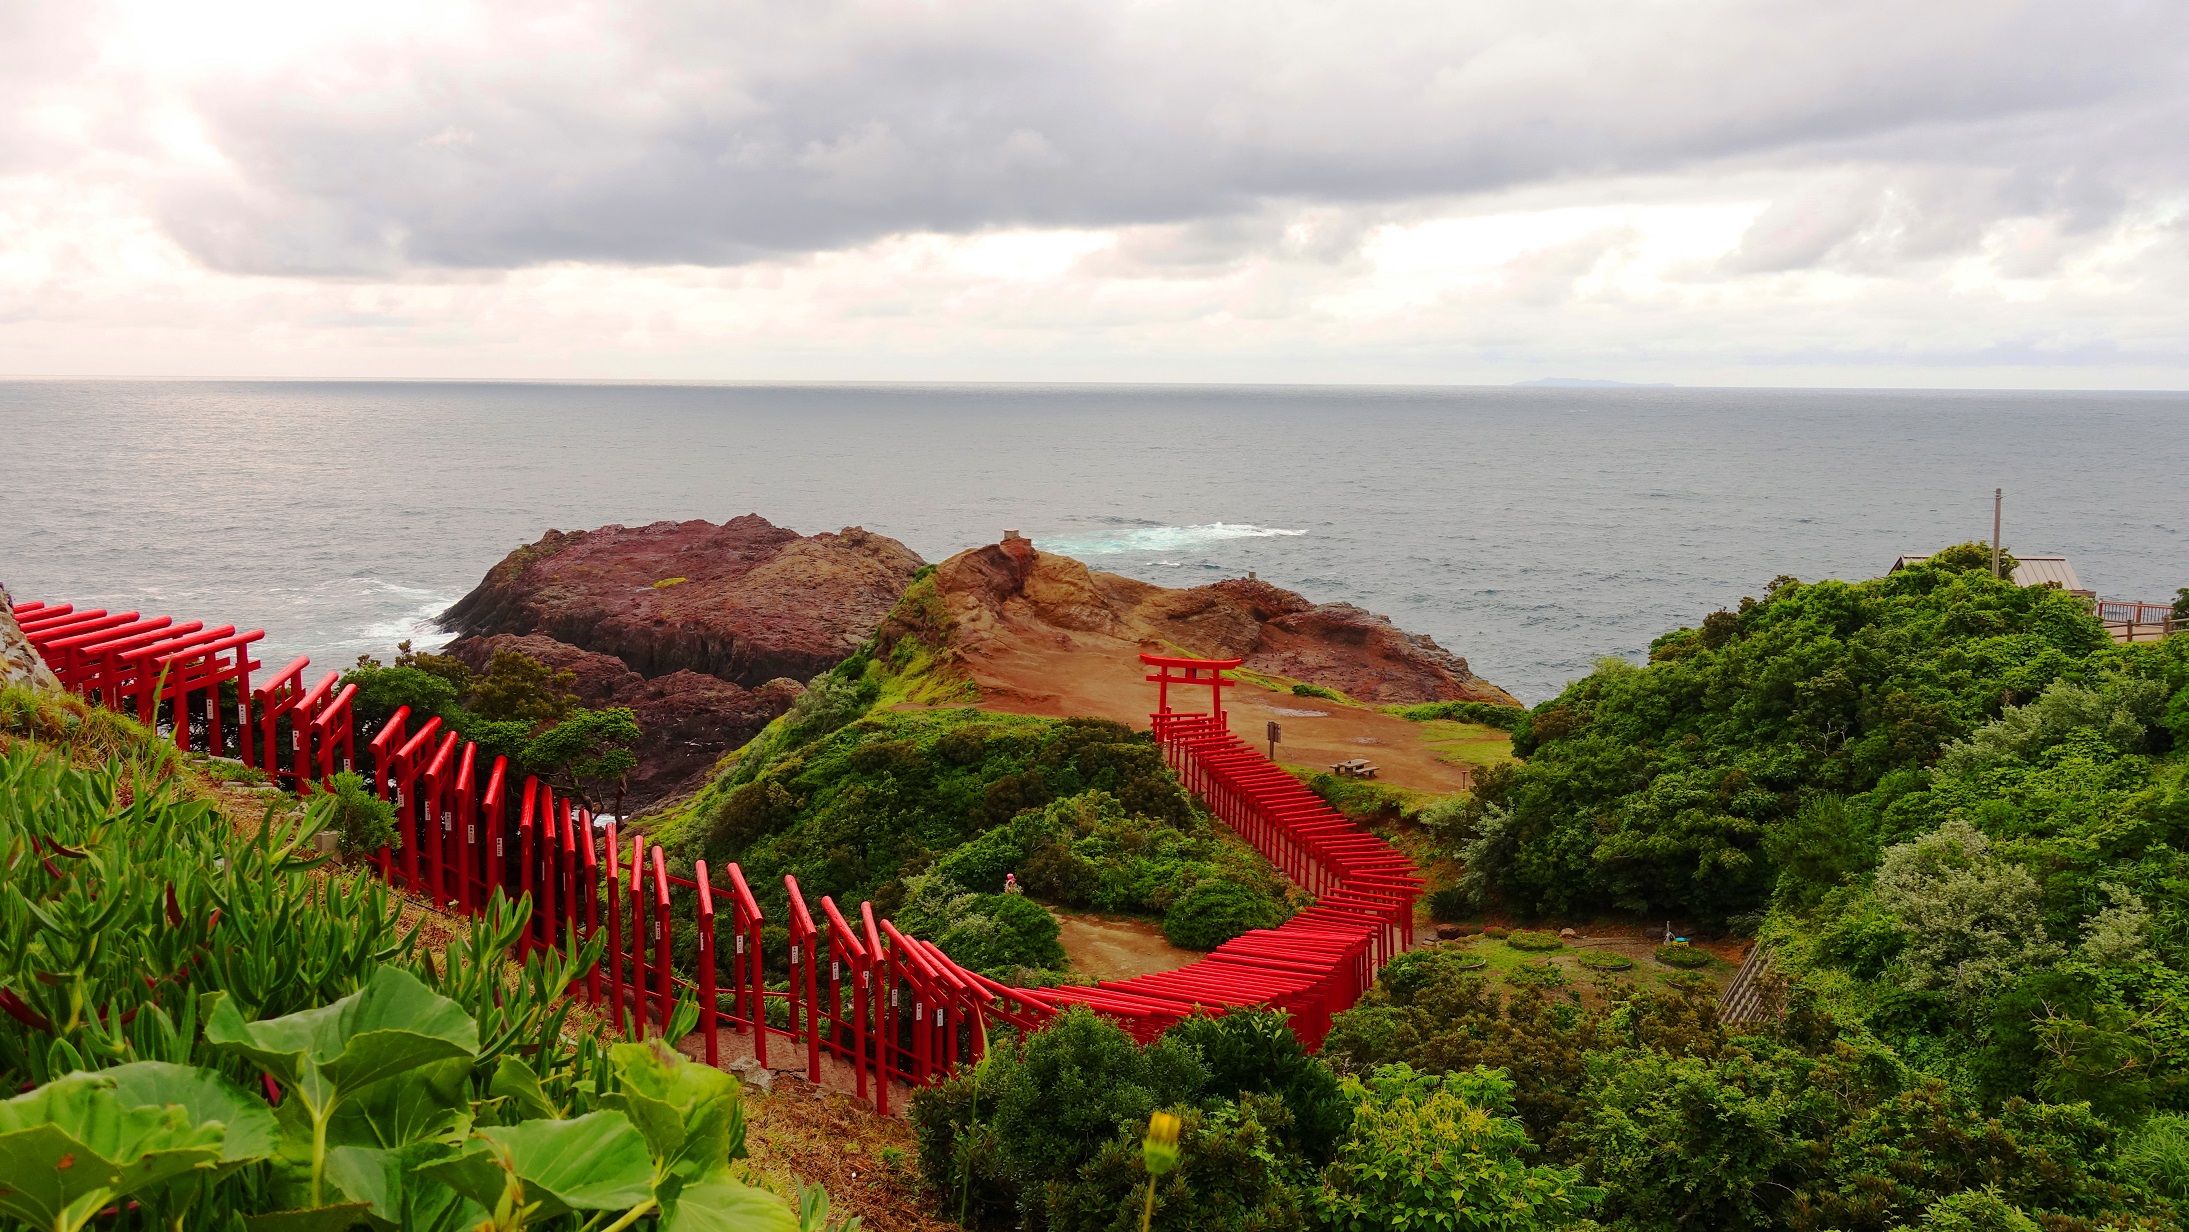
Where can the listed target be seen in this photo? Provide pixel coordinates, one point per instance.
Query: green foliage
(1653, 789)
(1253, 1051)
(1084, 811)
(1003, 936)
(1215, 911)
(1975, 1210)
(518, 686)
(1489, 714)
(366, 822)
(1443, 1152)
(1037, 1110)
(1320, 691)
(2157, 1155)
(1236, 1173)
(1538, 940)
(1450, 904)
(1687, 957)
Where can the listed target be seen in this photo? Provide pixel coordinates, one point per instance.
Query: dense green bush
(1685, 956)
(1215, 911)
(1254, 1051)
(1450, 905)
(365, 821)
(1443, 1151)
(1535, 939)
(521, 709)
(1659, 788)
(994, 1139)
(1084, 811)
(1488, 714)
(1323, 692)
(1234, 1172)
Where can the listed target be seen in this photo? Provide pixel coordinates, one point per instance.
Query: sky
(1859, 193)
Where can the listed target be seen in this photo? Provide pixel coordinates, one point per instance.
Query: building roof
(2028, 571)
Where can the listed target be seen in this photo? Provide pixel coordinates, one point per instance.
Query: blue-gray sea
(1533, 530)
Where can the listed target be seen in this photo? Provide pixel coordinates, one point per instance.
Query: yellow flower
(1160, 1150)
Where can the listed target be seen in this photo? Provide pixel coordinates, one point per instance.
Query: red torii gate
(1163, 680)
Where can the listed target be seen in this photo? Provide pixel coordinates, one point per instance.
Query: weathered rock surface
(20, 663)
(690, 719)
(758, 601)
(1007, 595)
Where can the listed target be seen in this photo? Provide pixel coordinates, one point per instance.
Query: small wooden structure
(1356, 768)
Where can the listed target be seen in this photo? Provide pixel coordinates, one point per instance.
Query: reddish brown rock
(1007, 596)
(689, 719)
(757, 601)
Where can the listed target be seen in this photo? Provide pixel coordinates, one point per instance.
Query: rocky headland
(1010, 598)
(706, 632)
(703, 630)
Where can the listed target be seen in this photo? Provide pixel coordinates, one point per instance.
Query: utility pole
(1997, 497)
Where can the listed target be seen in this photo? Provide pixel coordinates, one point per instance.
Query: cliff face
(1008, 597)
(690, 720)
(20, 663)
(703, 663)
(758, 601)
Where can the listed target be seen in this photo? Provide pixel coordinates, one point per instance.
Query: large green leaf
(74, 1144)
(597, 1162)
(337, 1218)
(519, 1088)
(393, 1024)
(398, 1194)
(431, 1103)
(691, 1115)
(719, 1204)
(206, 1097)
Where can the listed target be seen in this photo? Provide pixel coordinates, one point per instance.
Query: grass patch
(1475, 744)
(1536, 940)
(1685, 957)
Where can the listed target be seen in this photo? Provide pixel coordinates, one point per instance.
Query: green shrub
(1450, 905)
(1496, 932)
(1537, 940)
(2157, 1154)
(1213, 912)
(1319, 691)
(1234, 1172)
(366, 822)
(1605, 960)
(1488, 714)
(1254, 1051)
(1429, 1151)
(1974, 1210)
(1681, 955)
(1039, 1108)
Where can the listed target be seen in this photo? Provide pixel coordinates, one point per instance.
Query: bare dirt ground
(1103, 678)
(1119, 947)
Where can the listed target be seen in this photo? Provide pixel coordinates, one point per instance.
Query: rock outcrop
(1009, 596)
(702, 630)
(20, 663)
(690, 719)
(746, 601)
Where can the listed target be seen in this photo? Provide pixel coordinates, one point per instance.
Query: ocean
(1531, 530)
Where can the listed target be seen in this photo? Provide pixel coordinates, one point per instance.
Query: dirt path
(1118, 948)
(1079, 674)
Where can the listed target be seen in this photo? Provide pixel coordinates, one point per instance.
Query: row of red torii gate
(893, 1009)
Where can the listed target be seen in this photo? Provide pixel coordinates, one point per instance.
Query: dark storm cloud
(711, 134)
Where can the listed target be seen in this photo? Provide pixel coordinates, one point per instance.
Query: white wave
(1165, 538)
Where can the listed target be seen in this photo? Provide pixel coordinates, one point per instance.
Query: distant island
(1575, 382)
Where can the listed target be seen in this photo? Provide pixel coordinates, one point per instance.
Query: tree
(588, 752)
(1443, 1152)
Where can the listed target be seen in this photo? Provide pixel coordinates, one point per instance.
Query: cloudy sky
(1473, 191)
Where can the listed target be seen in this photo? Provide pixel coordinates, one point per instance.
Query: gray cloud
(661, 132)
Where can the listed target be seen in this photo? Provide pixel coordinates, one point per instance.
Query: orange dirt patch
(1101, 677)
(1119, 948)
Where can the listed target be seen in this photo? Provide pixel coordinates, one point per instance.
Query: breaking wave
(1164, 539)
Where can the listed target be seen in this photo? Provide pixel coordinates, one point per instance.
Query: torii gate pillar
(1163, 680)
